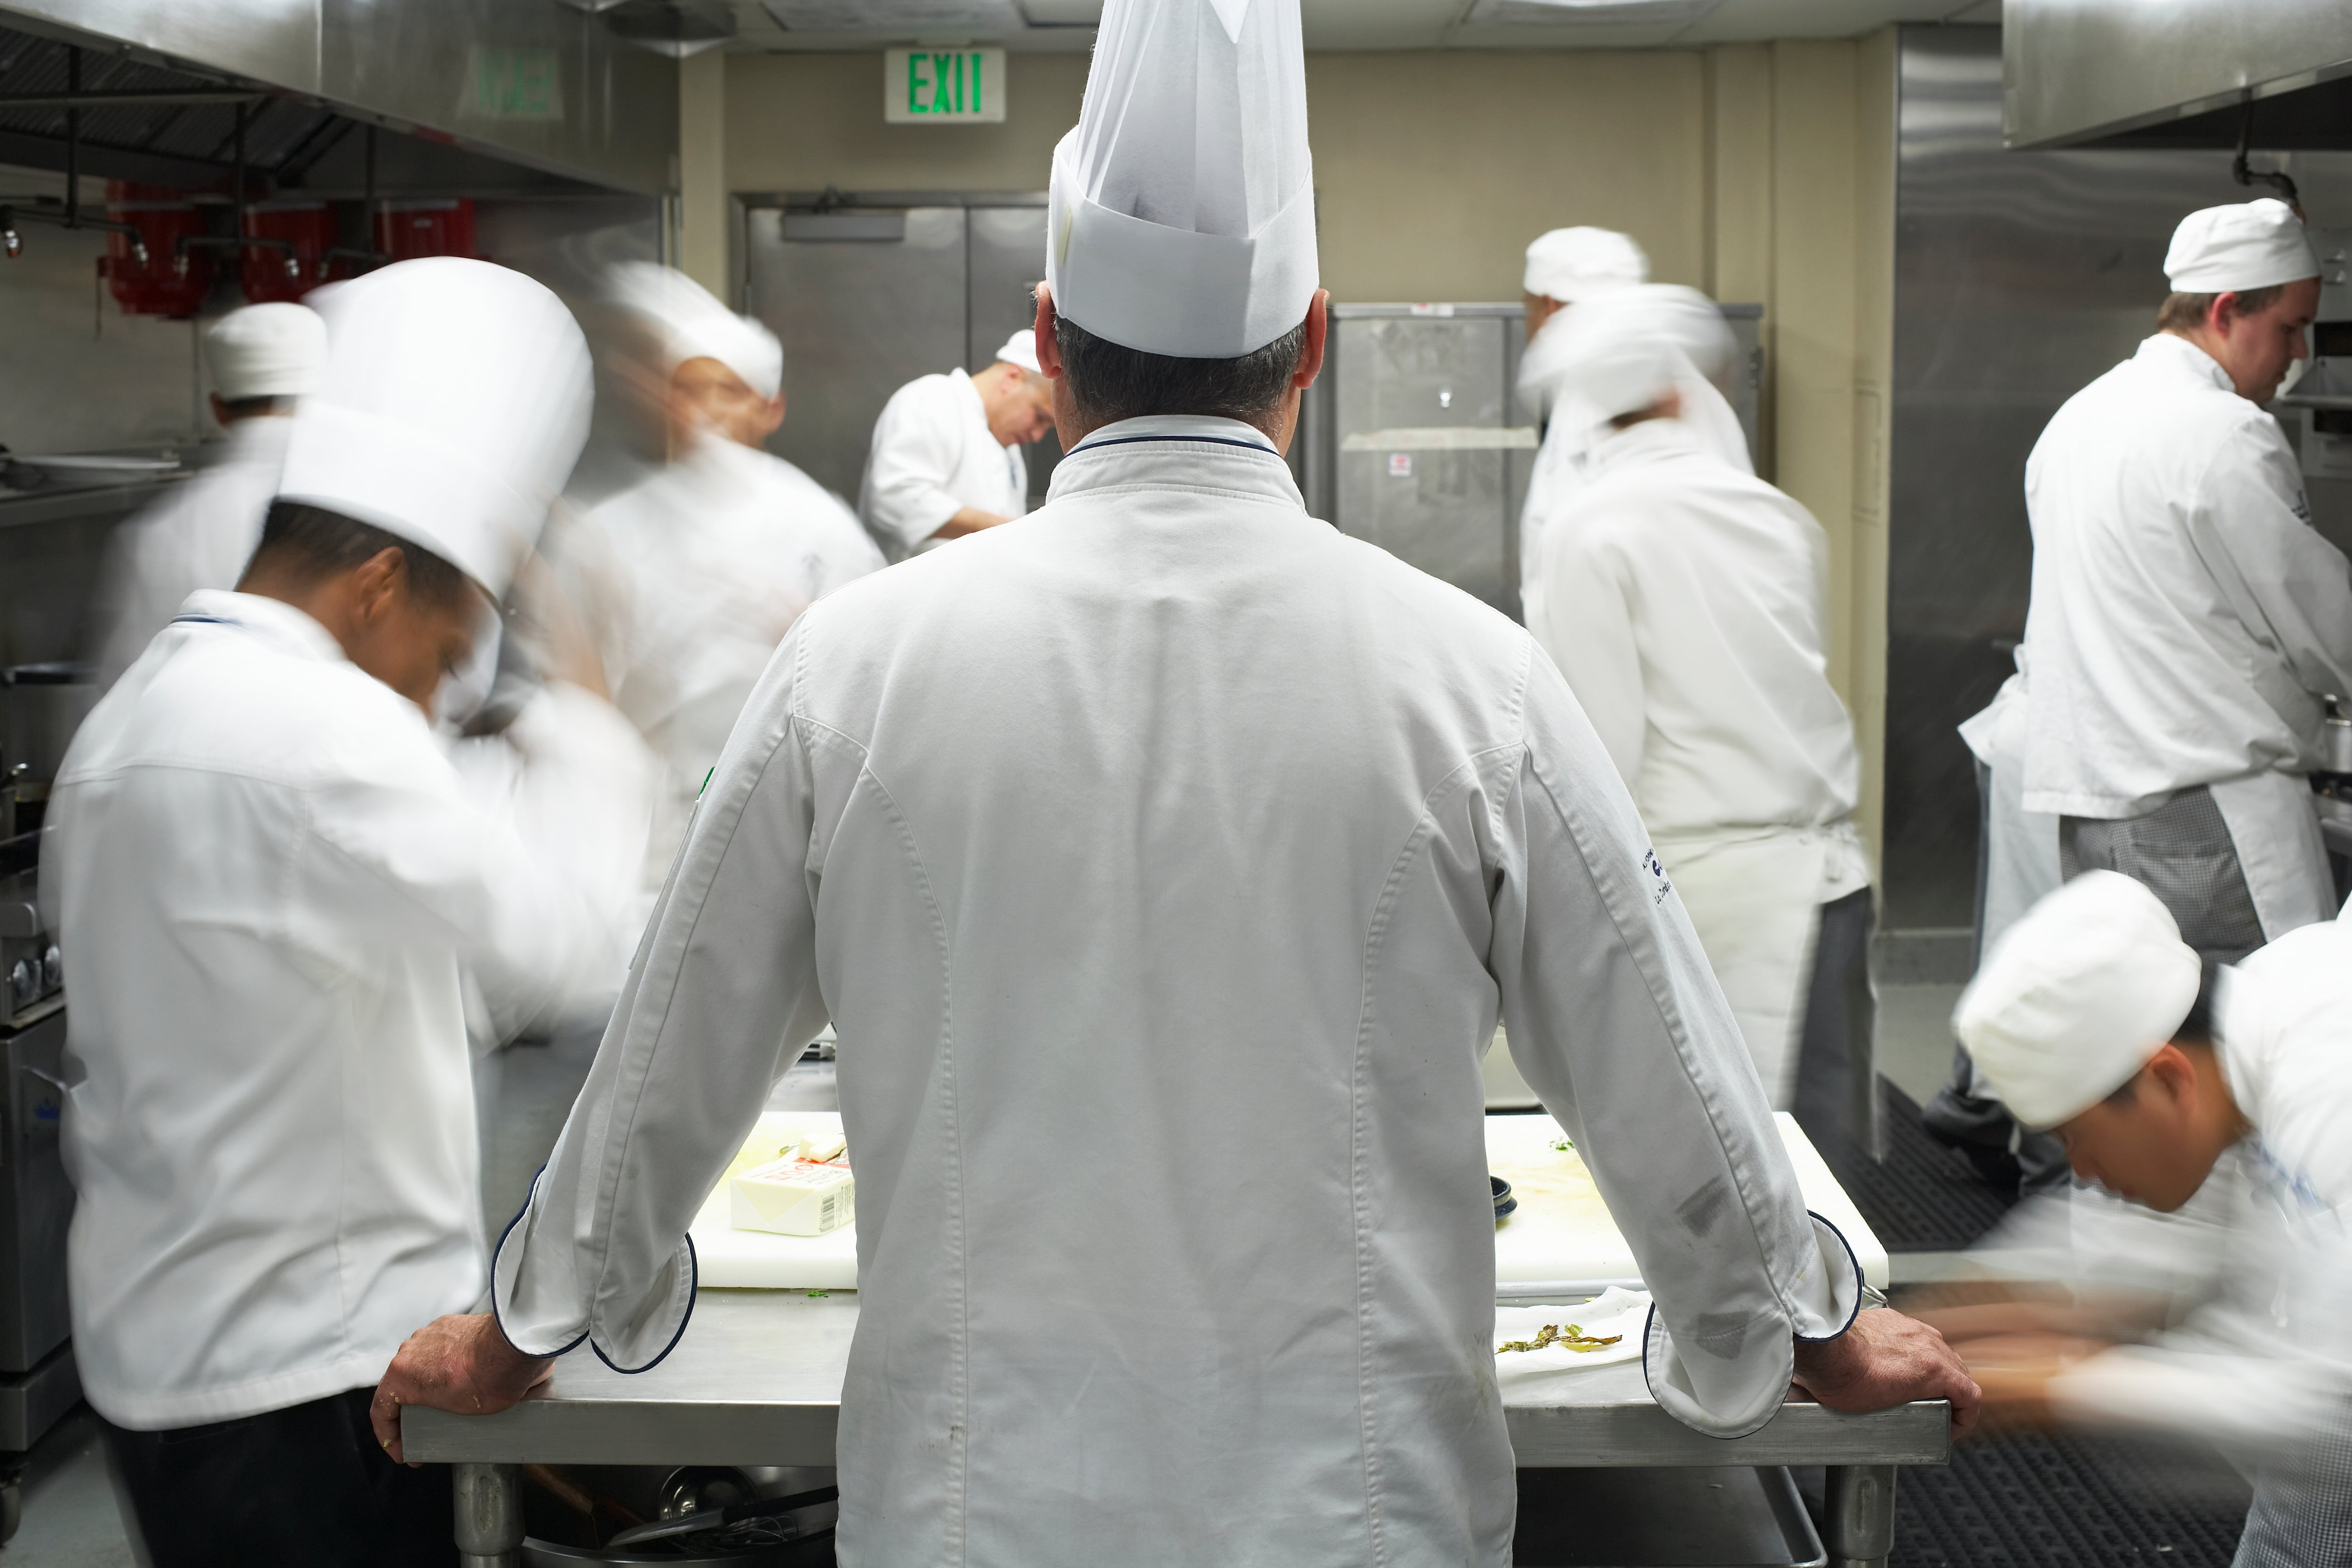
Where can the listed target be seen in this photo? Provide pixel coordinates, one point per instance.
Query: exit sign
(943, 87)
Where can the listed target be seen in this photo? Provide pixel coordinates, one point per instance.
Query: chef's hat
(2243, 246)
(1572, 264)
(2076, 997)
(691, 324)
(453, 404)
(1020, 348)
(265, 350)
(1618, 355)
(1183, 204)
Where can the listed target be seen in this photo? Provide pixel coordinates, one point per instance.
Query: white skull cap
(2075, 997)
(2246, 244)
(1572, 264)
(692, 324)
(1182, 207)
(1020, 348)
(265, 350)
(453, 404)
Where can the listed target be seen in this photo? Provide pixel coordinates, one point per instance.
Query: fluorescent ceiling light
(895, 18)
(1590, 13)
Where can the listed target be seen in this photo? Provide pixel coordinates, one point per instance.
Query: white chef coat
(1558, 473)
(688, 581)
(933, 455)
(266, 884)
(1681, 598)
(2262, 1364)
(199, 535)
(1162, 864)
(2186, 617)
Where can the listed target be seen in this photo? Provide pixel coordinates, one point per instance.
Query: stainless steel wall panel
(2020, 276)
(858, 319)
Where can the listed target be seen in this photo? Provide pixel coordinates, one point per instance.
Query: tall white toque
(453, 403)
(1183, 204)
(692, 324)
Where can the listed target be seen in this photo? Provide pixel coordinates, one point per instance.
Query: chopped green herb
(818, 1294)
(1566, 1146)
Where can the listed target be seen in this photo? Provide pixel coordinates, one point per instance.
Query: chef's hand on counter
(459, 1363)
(1887, 1359)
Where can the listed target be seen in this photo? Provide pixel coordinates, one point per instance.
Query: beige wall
(1763, 174)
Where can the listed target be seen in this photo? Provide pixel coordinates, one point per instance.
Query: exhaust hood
(2178, 73)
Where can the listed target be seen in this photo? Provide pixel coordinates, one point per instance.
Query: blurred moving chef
(946, 458)
(1177, 839)
(2167, 1077)
(2186, 620)
(1562, 466)
(269, 888)
(1681, 598)
(263, 358)
(689, 579)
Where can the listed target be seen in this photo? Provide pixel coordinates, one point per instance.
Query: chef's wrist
(497, 1362)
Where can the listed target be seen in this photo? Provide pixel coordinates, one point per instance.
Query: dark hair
(312, 543)
(1109, 381)
(251, 407)
(2182, 311)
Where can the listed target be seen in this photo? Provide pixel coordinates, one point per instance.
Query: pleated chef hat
(1020, 348)
(453, 403)
(1625, 351)
(2076, 997)
(1572, 264)
(692, 324)
(1183, 204)
(265, 350)
(2246, 244)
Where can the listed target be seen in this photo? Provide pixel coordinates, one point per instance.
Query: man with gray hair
(1176, 839)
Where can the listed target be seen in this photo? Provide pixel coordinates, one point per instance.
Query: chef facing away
(1162, 864)
(272, 891)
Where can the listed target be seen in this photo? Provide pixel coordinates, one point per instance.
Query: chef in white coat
(2168, 1078)
(1162, 864)
(262, 358)
(269, 888)
(689, 579)
(946, 458)
(1683, 600)
(2185, 618)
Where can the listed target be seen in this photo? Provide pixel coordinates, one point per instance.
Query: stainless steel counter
(757, 1381)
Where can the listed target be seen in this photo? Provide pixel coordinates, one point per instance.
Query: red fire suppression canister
(407, 229)
(165, 283)
(275, 272)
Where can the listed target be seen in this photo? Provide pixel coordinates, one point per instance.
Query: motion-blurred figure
(271, 891)
(262, 358)
(946, 458)
(689, 579)
(1681, 598)
(2170, 1078)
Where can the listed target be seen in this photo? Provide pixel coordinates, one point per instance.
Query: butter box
(792, 1197)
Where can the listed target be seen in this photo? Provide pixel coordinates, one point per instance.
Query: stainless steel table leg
(490, 1516)
(1861, 1515)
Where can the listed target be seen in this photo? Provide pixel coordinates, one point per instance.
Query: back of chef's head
(1182, 209)
(453, 402)
(2075, 997)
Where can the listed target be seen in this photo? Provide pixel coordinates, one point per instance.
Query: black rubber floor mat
(2063, 1501)
(1923, 1197)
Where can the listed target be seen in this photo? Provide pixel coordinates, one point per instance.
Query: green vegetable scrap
(1566, 1146)
(1573, 1338)
(818, 1294)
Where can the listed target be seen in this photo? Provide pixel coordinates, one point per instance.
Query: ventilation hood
(2178, 73)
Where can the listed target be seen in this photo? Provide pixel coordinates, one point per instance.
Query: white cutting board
(1561, 1239)
(1561, 1235)
(762, 1260)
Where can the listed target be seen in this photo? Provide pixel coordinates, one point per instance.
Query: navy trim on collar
(1090, 444)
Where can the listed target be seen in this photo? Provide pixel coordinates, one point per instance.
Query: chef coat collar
(1179, 451)
(275, 621)
(2168, 351)
(1177, 427)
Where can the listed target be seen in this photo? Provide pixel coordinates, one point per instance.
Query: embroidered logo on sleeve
(1659, 885)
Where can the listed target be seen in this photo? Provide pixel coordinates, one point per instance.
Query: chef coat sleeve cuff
(1735, 1381)
(542, 1309)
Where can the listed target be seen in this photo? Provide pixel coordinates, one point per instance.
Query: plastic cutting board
(1560, 1241)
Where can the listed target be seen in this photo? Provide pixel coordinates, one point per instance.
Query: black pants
(1837, 1073)
(303, 1487)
